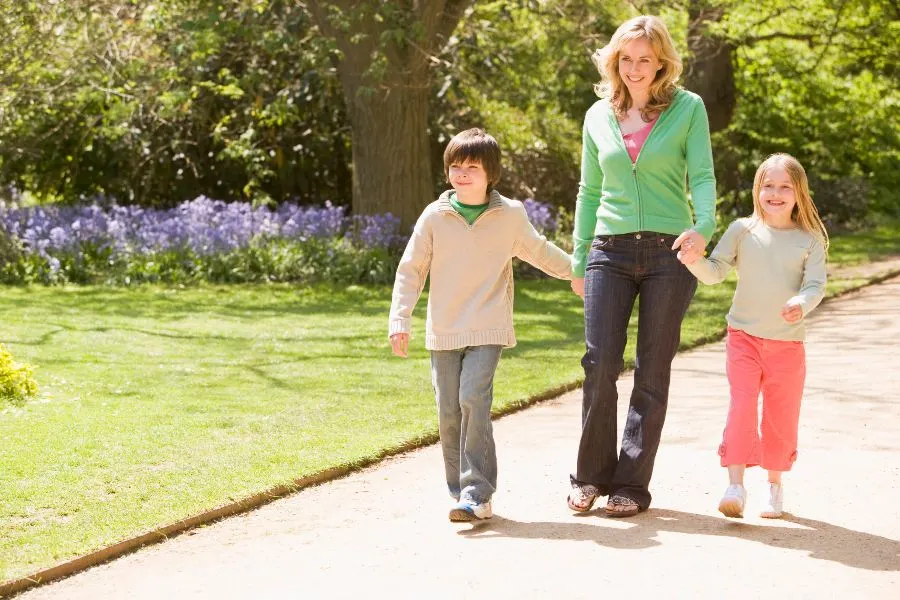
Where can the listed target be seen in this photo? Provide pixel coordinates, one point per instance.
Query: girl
(780, 256)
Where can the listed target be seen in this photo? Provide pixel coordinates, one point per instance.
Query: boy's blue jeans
(619, 268)
(463, 382)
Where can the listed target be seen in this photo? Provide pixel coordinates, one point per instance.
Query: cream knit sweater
(470, 301)
(775, 267)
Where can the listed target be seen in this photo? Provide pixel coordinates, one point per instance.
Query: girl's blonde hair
(805, 213)
(663, 88)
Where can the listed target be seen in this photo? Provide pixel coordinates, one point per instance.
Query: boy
(466, 240)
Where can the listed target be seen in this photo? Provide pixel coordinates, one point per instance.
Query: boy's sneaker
(732, 503)
(469, 511)
(773, 509)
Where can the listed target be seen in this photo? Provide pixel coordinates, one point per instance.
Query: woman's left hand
(691, 246)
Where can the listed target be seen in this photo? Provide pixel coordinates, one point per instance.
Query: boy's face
(469, 179)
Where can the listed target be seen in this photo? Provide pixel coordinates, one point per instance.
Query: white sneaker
(469, 511)
(773, 509)
(732, 503)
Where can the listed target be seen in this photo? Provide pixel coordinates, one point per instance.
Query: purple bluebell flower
(541, 215)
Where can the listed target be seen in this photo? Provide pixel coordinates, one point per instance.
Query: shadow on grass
(821, 540)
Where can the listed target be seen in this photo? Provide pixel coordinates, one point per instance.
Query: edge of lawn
(81, 563)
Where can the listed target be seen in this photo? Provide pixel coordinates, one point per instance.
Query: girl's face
(638, 65)
(469, 179)
(777, 198)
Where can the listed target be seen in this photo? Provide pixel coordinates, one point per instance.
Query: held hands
(791, 313)
(691, 246)
(400, 344)
(578, 286)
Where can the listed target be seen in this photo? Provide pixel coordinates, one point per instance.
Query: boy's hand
(400, 344)
(691, 246)
(578, 286)
(791, 313)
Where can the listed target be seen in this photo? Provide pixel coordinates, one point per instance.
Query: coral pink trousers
(777, 369)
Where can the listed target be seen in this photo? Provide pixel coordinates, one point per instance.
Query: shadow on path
(821, 540)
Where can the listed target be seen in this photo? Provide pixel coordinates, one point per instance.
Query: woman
(642, 140)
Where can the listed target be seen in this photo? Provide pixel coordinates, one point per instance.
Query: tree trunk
(710, 72)
(385, 52)
(391, 152)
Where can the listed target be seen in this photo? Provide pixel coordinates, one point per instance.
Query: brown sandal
(582, 497)
(622, 506)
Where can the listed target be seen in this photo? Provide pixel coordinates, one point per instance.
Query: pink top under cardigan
(635, 141)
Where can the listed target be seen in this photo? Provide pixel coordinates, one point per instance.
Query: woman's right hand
(578, 286)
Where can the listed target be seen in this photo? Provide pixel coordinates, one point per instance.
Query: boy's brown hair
(474, 145)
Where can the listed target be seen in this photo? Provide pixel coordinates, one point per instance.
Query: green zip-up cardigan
(616, 196)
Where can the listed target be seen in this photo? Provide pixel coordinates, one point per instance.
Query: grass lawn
(157, 404)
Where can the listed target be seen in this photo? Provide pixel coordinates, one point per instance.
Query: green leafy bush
(265, 260)
(11, 258)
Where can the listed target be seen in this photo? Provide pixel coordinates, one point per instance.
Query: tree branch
(450, 17)
(356, 52)
(778, 35)
(834, 28)
(773, 15)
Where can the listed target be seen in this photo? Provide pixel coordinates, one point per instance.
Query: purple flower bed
(202, 228)
(202, 225)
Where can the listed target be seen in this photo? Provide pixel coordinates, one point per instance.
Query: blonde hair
(663, 88)
(805, 213)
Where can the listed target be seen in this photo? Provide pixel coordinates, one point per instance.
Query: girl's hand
(691, 245)
(791, 313)
(578, 286)
(400, 344)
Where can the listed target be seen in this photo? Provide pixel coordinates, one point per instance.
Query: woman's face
(638, 65)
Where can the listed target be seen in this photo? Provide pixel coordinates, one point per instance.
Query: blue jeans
(619, 269)
(464, 389)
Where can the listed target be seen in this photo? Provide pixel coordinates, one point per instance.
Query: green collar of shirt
(469, 212)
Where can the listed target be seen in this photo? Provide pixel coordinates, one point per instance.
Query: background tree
(157, 102)
(818, 80)
(386, 51)
(529, 84)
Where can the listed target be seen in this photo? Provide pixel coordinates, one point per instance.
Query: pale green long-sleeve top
(774, 267)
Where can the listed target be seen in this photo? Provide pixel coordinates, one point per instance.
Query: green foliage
(11, 258)
(16, 380)
(158, 102)
(527, 83)
(335, 260)
(167, 101)
(816, 81)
